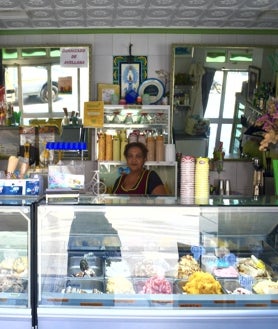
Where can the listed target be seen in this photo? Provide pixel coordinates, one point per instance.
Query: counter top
(213, 201)
(115, 200)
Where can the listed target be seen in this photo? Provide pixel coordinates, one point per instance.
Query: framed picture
(253, 82)
(105, 92)
(129, 74)
(184, 51)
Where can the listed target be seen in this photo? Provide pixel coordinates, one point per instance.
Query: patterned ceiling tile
(36, 3)
(138, 13)
(11, 4)
(68, 3)
(227, 3)
(250, 14)
(99, 23)
(71, 23)
(99, 3)
(41, 14)
(217, 13)
(184, 22)
(128, 23)
(164, 3)
(100, 12)
(40, 24)
(18, 24)
(189, 13)
(70, 13)
(132, 3)
(210, 23)
(195, 3)
(159, 13)
(134, 13)
(155, 23)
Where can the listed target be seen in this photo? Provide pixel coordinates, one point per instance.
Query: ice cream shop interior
(138, 159)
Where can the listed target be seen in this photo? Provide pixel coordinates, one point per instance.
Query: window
(226, 83)
(40, 87)
(221, 106)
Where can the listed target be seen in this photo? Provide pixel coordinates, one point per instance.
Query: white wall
(156, 46)
(158, 49)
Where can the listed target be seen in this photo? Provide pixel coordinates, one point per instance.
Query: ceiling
(86, 14)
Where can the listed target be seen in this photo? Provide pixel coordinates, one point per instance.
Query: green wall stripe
(139, 31)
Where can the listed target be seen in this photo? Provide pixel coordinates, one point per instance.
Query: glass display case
(122, 262)
(15, 262)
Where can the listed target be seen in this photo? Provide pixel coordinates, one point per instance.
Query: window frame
(47, 61)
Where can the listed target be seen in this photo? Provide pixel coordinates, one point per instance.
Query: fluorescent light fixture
(12, 14)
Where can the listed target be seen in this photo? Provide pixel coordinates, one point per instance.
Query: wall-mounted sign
(93, 114)
(74, 57)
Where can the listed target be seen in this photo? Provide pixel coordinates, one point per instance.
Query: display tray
(94, 242)
(88, 266)
(14, 299)
(241, 246)
(232, 286)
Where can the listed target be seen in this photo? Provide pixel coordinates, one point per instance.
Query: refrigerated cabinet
(16, 304)
(114, 262)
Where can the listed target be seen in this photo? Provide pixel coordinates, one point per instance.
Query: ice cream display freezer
(128, 262)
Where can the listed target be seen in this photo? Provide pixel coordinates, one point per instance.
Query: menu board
(93, 114)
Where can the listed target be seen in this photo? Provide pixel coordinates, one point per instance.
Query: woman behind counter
(139, 180)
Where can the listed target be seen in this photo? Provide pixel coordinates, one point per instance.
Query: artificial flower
(268, 121)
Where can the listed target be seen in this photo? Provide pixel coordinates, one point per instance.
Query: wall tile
(103, 45)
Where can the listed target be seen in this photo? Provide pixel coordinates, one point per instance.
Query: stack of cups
(187, 170)
(202, 181)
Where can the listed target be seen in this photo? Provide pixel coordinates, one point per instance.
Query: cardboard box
(20, 187)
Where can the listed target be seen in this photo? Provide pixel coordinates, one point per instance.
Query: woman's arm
(155, 184)
(159, 190)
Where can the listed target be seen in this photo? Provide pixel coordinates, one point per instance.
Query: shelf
(133, 125)
(147, 163)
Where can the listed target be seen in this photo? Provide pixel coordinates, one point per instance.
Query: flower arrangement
(268, 121)
(164, 76)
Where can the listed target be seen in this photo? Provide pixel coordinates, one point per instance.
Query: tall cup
(170, 152)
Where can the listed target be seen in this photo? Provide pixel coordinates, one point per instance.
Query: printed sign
(93, 114)
(74, 57)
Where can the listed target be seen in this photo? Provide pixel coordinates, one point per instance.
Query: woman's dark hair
(141, 146)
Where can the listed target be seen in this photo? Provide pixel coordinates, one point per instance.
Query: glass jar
(128, 119)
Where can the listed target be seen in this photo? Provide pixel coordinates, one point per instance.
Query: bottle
(142, 138)
(101, 146)
(65, 121)
(159, 148)
(133, 137)
(116, 148)
(150, 143)
(123, 144)
(108, 147)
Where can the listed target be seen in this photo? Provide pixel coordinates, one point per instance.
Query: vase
(275, 174)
